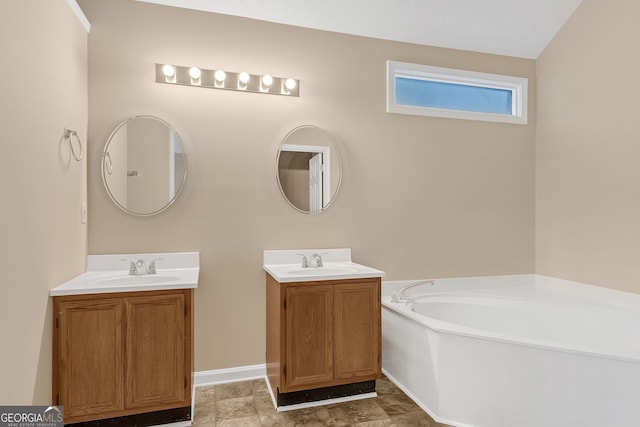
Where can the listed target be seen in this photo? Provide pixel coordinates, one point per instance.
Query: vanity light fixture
(195, 74)
(243, 80)
(169, 72)
(265, 83)
(219, 76)
(220, 79)
(288, 86)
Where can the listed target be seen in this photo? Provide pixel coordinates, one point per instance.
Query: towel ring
(69, 134)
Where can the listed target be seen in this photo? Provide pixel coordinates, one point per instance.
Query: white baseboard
(229, 375)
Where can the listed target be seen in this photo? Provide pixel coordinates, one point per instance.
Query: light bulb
(290, 84)
(220, 75)
(267, 80)
(195, 73)
(168, 70)
(243, 77)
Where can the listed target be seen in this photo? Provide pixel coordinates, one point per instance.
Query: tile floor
(248, 404)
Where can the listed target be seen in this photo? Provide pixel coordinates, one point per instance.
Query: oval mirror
(308, 169)
(143, 165)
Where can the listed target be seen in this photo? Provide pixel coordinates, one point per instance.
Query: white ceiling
(520, 28)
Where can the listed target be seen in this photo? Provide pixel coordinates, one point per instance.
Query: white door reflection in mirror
(315, 183)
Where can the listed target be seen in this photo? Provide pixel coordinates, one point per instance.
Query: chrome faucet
(139, 267)
(305, 261)
(152, 266)
(315, 261)
(400, 294)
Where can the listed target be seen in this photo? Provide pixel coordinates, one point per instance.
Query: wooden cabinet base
(142, 420)
(122, 354)
(323, 337)
(325, 393)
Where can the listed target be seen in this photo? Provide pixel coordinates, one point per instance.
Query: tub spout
(399, 295)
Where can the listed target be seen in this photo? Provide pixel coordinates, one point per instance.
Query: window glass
(453, 96)
(446, 92)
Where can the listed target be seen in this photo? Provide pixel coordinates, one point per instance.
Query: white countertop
(109, 273)
(286, 266)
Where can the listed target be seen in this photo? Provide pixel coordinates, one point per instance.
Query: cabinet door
(155, 362)
(90, 357)
(309, 337)
(357, 331)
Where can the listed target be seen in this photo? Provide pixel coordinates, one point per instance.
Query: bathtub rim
(535, 281)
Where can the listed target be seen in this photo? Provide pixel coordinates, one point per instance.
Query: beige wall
(44, 90)
(421, 197)
(588, 148)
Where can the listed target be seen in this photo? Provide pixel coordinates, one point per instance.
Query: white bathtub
(516, 351)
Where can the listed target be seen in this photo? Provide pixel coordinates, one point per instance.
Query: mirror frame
(105, 155)
(333, 145)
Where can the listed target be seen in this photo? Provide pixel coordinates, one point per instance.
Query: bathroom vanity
(323, 327)
(123, 343)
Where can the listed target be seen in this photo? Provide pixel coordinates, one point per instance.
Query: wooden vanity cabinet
(322, 334)
(122, 354)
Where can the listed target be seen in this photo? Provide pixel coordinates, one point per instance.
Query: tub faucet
(400, 294)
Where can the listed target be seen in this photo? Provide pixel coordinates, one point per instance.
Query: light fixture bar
(228, 80)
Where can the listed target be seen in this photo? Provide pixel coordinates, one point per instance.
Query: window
(445, 92)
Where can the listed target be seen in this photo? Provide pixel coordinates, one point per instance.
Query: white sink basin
(97, 282)
(110, 273)
(286, 273)
(318, 271)
(285, 266)
(148, 279)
